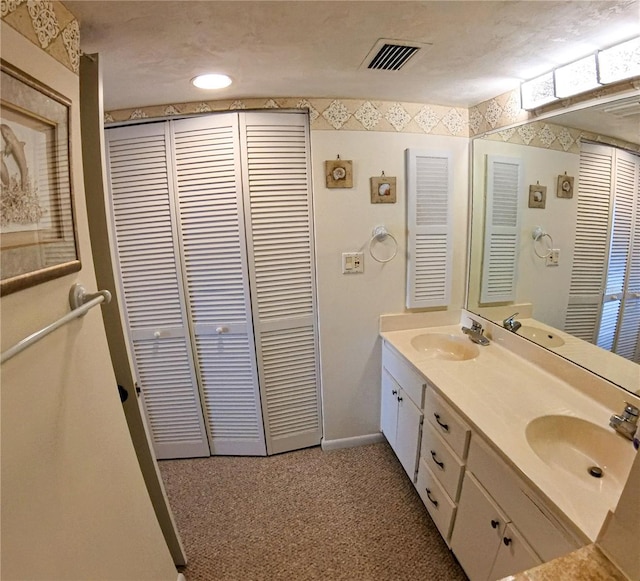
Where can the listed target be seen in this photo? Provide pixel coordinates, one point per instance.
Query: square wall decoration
(383, 190)
(339, 173)
(565, 186)
(537, 196)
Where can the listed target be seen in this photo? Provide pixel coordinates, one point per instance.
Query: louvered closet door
(502, 229)
(591, 245)
(627, 214)
(209, 187)
(281, 268)
(429, 212)
(139, 167)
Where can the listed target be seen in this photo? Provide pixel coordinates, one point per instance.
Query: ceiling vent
(393, 55)
(624, 108)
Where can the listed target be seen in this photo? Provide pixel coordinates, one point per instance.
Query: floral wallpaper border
(330, 114)
(49, 25)
(556, 137)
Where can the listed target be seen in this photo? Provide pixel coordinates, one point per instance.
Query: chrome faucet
(511, 324)
(476, 333)
(627, 422)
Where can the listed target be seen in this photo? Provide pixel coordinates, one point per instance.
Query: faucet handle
(510, 317)
(475, 325)
(632, 411)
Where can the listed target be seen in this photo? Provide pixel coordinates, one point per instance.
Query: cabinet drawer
(411, 381)
(447, 423)
(441, 508)
(442, 461)
(544, 532)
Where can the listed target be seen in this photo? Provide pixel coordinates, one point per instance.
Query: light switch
(554, 258)
(352, 262)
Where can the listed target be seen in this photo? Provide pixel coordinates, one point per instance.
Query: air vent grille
(392, 57)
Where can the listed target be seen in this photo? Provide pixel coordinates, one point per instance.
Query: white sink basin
(443, 346)
(540, 336)
(574, 446)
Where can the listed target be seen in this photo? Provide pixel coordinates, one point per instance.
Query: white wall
(349, 305)
(547, 287)
(74, 504)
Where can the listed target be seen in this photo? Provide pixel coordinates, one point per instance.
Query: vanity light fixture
(211, 81)
(610, 65)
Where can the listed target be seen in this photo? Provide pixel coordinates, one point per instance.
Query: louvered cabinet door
(627, 186)
(209, 188)
(276, 180)
(591, 244)
(502, 229)
(139, 170)
(429, 214)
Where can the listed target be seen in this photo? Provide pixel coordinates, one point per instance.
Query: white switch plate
(554, 257)
(352, 262)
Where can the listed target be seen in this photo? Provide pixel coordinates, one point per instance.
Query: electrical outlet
(352, 262)
(554, 257)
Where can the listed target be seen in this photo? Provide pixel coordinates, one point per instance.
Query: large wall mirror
(554, 213)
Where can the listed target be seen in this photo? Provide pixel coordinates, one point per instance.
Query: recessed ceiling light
(211, 81)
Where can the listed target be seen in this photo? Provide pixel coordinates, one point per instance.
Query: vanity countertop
(499, 393)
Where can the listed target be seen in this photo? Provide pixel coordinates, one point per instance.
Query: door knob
(221, 330)
(157, 334)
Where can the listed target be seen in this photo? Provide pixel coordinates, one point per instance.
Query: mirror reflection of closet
(593, 294)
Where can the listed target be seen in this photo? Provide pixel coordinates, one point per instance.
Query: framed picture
(339, 173)
(38, 239)
(564, 188)
(383, 190)
(537, 196)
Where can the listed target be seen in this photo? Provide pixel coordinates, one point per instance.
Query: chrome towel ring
(379, 234)
(538, 234)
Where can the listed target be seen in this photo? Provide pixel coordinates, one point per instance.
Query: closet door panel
(212, 236)
(279, 225)
(139, 167)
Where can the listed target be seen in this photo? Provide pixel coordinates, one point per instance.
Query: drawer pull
(433, 457)
(434, 502)
(445, 427)
(506, 541)
(394, 392)
(399, 398)
(495, 524)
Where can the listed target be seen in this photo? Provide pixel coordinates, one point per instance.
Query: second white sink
(540, 336)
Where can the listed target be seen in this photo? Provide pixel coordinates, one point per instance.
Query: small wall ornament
(564, 188)
(537, 196)
(383, 190)
(339, 173)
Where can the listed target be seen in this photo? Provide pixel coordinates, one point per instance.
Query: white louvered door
(213, 219)
(591, 244)
(624, 271)
(140, 167)
(429, 218)
(502, 229)
(209, 193)
(279, 228)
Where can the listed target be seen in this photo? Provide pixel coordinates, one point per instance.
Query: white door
(139, 167)
(212, 237)
(279, 226)
(408, 434)
(389, 407)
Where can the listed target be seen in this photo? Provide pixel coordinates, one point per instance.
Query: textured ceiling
(151, 49)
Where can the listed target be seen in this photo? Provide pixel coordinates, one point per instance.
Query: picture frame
(339, 173)
(38, 238)
(564, 188)
(383, 190)
(537, 196)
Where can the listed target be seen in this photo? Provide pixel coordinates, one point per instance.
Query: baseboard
(181, 577)
(351, 442)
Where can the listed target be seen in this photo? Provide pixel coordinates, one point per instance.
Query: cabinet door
(389, 407)
(514, 555)
(279, 226)
(408, 434)
(212, 238)
(478, 530)
(141, 191)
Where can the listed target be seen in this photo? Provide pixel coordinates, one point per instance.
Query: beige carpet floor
(308, 515)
